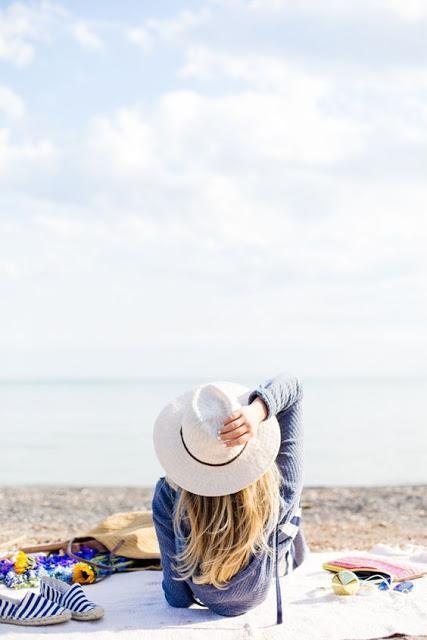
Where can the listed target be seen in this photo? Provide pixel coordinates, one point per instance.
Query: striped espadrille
(33, 610)
(72, 597)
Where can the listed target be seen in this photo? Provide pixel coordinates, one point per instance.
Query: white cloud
(11, 105)
(16, 33)
(226, 244)
(407, 10)
(8, 269)
(197, 193)
(178, 25)
(86, 37)
(168, 30)
(18, 158)
(410, 10)
(189, 131)
(63, 226)
(325, 98)
(127, 140)
(272, 196)
(260, 72)
(140, 36)
(23, 26)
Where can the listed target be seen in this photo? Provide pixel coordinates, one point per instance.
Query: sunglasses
(381, 581)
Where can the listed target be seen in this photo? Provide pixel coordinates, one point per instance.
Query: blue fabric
(279, 619)
(249, 587)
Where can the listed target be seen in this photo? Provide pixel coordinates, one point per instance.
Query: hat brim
(259, 454)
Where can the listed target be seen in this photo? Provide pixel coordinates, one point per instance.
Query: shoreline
(333, 518)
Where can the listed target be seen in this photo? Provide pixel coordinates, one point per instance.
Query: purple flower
(5, 567)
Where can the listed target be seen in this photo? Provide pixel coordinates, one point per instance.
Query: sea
(365, 431)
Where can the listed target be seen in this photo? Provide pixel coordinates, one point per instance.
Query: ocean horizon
(98, 431)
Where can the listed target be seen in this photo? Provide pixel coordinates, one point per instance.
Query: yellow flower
(21, 562)
(83, 573)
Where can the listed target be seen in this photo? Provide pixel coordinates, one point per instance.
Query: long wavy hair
(225, 530)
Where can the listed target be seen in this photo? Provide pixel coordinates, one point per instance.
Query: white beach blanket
(136, 609)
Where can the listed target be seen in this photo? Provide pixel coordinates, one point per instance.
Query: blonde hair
(225, 530)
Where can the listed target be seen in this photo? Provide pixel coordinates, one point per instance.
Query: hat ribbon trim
(210, 464)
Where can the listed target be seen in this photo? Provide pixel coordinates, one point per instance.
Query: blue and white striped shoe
(34, 610)
(72, 597)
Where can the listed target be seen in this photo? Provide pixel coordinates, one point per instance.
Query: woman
(227, 513)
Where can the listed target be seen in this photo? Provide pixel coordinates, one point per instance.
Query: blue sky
(213, 188)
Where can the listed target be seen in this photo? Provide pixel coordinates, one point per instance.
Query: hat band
(210, 464)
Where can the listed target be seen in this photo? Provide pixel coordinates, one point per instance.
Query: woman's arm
(290, 458)
(283, 398)
(278, 393)
(268, 399)
(280, 396)
(177, 592)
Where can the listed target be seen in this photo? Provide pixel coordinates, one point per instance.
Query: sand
(333, 517)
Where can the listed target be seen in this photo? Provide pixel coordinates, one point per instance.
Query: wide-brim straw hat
(187, 445)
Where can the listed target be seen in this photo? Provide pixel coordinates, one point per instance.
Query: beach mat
(136, 610)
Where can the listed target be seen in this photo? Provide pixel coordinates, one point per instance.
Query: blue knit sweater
(249, 587)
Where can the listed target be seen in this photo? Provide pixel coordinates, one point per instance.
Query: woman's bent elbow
(178, 603)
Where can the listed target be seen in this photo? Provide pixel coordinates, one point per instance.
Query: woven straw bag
(129, 534)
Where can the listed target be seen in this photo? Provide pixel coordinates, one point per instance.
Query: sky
(213, 188)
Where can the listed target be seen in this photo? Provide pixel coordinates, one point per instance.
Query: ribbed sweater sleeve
(279, 393)
(177, 592)
(283, 397)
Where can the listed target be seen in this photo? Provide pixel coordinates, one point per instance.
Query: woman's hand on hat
(243, 424)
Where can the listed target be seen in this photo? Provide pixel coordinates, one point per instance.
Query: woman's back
(249, 584)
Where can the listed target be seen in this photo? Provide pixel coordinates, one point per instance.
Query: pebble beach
(333, 517)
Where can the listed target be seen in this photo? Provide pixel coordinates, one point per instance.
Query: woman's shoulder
(170, 483)
(164, 494)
